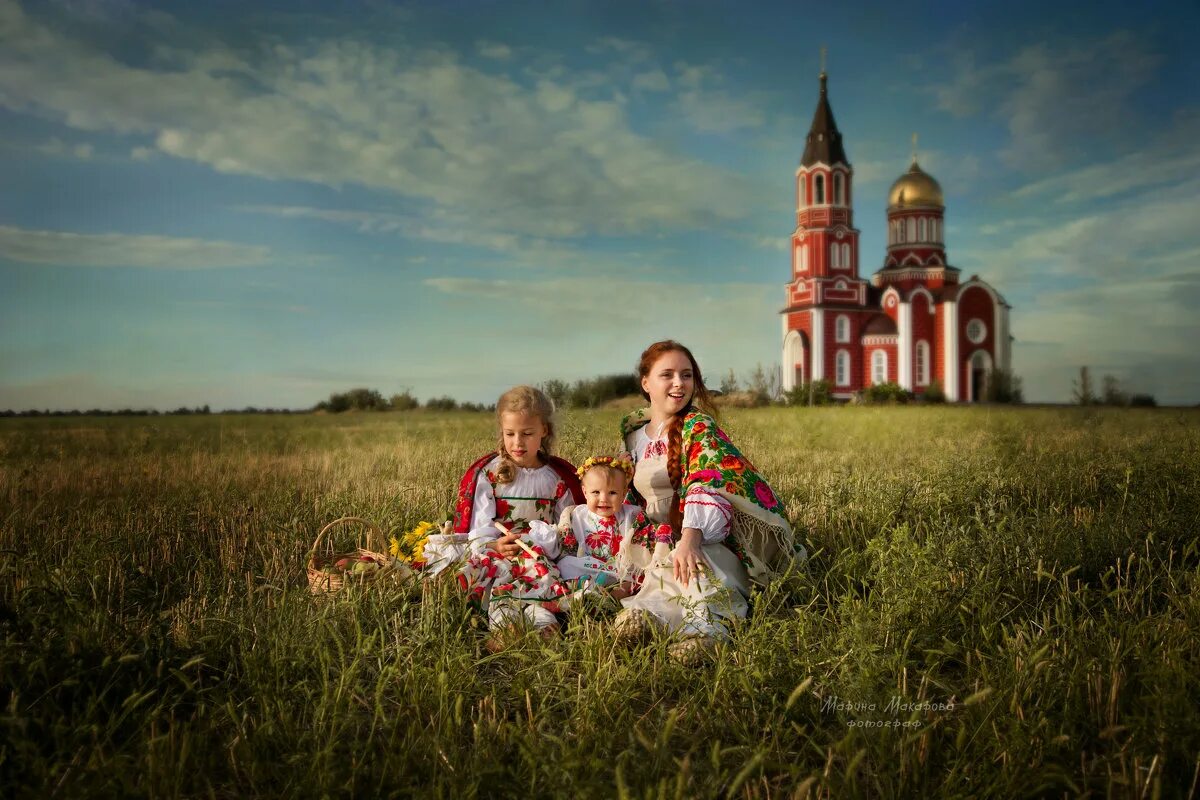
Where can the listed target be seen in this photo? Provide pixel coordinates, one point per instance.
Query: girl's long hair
(700, 399)
(528, 400)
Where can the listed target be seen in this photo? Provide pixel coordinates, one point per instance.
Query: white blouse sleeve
(544, 535)
(708, 511)
(483, 515)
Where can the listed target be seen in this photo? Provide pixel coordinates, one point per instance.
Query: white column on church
(950, 350)
(818, 344)
(904, 347)
(787, 372)
(1000, 324)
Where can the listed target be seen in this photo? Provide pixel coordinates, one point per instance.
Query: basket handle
(372, 530)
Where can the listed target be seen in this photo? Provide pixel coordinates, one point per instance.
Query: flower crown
(606, 461)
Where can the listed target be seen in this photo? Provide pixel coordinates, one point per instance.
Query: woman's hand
(687, 559)
(506, 545)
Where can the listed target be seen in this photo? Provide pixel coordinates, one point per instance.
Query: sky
(263, 203)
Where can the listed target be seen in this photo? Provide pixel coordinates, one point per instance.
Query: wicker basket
(322, 582)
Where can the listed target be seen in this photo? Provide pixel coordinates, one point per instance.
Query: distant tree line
(147, 412)
(1112, 393)
(363, 399)
(760, 387)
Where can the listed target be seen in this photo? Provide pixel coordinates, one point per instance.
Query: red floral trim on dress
(655, 448)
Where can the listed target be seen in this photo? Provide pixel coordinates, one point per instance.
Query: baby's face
(604, 490)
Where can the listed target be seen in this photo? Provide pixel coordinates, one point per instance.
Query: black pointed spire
(824, 140)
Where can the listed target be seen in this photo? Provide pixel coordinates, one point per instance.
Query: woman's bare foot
(633, 626)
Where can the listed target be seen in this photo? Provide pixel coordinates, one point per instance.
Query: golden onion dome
(915, 189)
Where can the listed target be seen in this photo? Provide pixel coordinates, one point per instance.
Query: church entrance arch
(980, 370)
(795, 348)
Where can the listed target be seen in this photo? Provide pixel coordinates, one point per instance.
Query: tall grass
(999, 603)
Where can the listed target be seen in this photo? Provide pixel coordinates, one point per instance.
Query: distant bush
(404, 401)
(741, 400)
(361, 399)
(1142, 401)
(441, 404)
(934, 393)
(1004, 387)
(558, 391)
(595, 392)
(819, 391)
(763, 384)
(889, 393)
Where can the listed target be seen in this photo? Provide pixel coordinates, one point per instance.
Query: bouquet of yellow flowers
(409, 547)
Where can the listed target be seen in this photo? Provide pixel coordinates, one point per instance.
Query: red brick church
(914, 322)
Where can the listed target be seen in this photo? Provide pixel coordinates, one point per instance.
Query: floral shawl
(465, 502)
(762, 536)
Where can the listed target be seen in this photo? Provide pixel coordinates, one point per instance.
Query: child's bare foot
(499, 641)
(550, 632)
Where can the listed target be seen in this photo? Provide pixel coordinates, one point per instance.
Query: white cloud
(59, 149)
(1140, 331)
(497, 51)
(1167, 159)
(727, 325)
(654, 80)
(554, 160)
(124, 250)
(1052, 97)
(710, 107)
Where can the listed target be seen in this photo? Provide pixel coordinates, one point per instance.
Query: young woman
(728, 526)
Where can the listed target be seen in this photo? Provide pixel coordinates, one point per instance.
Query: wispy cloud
(65, 248)
(1050, 96)
(59, 149)
(556, 159)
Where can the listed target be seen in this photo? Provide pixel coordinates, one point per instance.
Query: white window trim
(843, 365)
(842, 328)
(879, 359)
(921, 356)
(983, 331)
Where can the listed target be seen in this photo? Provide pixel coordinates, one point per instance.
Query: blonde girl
(501, 493)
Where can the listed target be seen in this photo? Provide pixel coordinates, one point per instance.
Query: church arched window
(843, 368)
(922, 363)
(900, 231)
(839, 189)
(802, 195)
(843, 328)
(819, 190)
(912, 230)
(835, 256)
(845, 254)
(879, 367)
(922, 231)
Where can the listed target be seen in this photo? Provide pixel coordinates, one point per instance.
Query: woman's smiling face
(670, 383)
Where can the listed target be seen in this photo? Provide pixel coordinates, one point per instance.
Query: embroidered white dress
(527, 585)
(535, 493)
(591, 545)
(699, 607)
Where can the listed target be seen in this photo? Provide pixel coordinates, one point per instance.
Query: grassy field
(999, 603)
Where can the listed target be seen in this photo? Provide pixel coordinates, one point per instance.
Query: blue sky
(259, 204)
